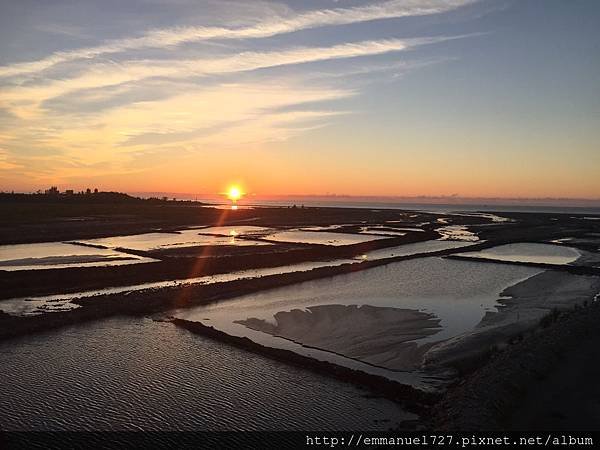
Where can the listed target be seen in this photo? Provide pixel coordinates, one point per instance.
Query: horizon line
(333, 196)
(373, 196)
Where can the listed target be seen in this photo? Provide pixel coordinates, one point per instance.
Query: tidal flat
(424, 301)
(384, 310)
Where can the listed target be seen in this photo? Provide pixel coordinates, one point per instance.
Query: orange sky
(379, 99)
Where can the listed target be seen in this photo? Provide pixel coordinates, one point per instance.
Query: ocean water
(591, 209)
(137, 374)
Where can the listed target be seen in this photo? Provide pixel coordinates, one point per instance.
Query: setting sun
(234, 193)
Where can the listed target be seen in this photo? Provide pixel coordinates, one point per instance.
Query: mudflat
(376, 335)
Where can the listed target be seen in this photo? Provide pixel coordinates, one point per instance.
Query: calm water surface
(61, 302)
(57, 255)
(459, 293)
(132, 374)
(320, 237)
(160, 241)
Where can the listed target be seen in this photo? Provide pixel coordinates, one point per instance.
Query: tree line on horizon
(53, 194)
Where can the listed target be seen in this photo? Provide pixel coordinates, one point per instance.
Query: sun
(234, 193)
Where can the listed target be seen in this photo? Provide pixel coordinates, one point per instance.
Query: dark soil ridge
(151, 301)
(59, 281)
(51, 220)
(62, 281)
(413, 399)
(486, 398)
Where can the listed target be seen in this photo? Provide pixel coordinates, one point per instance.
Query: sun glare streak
(199, 267)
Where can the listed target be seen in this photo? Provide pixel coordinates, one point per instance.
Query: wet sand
(547, 381)
(524, 305)
(383, 337)
(556, 401)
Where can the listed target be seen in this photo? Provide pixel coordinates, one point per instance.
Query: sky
(468, 98)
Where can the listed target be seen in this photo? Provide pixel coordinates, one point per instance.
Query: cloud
(194, 119)
(204, 112)
(170, 37)
(5, 162)
(24, 100)
(88, 116)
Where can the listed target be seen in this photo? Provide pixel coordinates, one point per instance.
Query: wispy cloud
(169, 37)
(203, 119)
(73, 114)
(25, 100)
(5, 161)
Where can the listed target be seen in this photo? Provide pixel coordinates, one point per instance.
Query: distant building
(69, 192)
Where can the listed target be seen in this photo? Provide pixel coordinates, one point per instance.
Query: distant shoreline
(435, 203)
